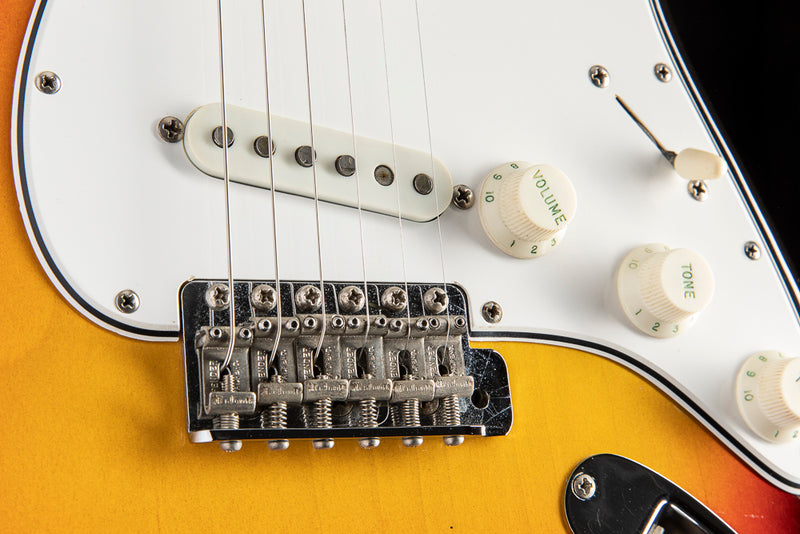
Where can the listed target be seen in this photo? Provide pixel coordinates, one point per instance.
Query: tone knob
(525, 208)
(768, 395)
(662, 291)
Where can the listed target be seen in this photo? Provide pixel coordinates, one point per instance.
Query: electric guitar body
(95, 417)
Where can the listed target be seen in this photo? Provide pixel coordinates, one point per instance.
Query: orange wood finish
(94, 438)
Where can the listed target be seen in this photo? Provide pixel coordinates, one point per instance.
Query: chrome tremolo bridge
(405, 369)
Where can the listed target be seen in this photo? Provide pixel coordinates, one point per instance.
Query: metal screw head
(321, 444)
(369, 443)
(218, 296)
(384, 175)
(351, 299)
(583, 486)
(303, 156)
(492, 312)
(48, 82)
(752, 250)
(345, 165)
(599, 76)
(170, 129)
(463, 197)
(278, 444)
(127, 301)
(308, 298)
(412, 441)
(264, 297)
(435, 300)
(453, 441)
(662, 72)
(216, 136)
(262, 146)
(423, 184)
(394, 299)
(698, 190)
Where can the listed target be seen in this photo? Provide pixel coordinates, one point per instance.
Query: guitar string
(358, 183)
(433, 166)
(396, 170)
(314, 175)
(272, 191)
(231, 291)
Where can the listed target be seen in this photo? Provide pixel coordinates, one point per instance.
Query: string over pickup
(383, 171)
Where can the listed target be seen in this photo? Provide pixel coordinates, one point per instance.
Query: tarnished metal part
(407, 377)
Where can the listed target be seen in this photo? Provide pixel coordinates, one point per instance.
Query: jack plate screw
(583, 486)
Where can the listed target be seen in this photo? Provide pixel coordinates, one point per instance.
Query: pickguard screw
(345, 165)
(698, 190)
(264, 297)
(261, 146)
(435, 300)
(48, 82)
(216, 136)
(752, 250)
(662, 72)
(218, 296)
(583, 486)
(127, 301)
(599, 76)
(170, 129)
(394, 299)
(492, 312)
(308, 298)
(384, 175)
(463, 197)
(351, 299)
(423, 184)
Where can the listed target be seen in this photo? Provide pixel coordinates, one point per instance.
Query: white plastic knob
(662, 291)
(694, 164)
(768, 395)
(525, 209)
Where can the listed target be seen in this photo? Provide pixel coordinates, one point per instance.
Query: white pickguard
(117, 208)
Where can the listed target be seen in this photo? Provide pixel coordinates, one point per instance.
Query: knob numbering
(662, 291)
(768, 395)
(525, 208)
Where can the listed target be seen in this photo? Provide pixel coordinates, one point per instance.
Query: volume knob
(662, 291)
(768, 395)
(525, 208)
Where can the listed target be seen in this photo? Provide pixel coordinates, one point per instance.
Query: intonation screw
(228, 421)
(698, 190)
(435, 300)
(48, 82)
(275, 416)
(463, 197)
(662, 72)
(451, 404)
(218, 296)
(394, 299)
(264, 297)
(599, 76)
(492, 312)
(351, 299)
(127, 301)
(308, 298)
(216, 136)
(583, 486)
(322, 417)
(752, 250)
(170, 129)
